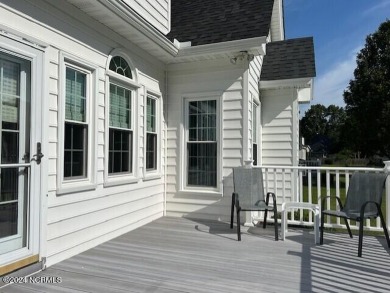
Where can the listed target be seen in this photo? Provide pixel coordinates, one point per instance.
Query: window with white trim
(254, 133)
(121, 120)
(151, 133)
(202, 146)
(76, 123)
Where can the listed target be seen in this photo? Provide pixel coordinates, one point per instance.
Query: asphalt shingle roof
(214, 21)
(289, 59)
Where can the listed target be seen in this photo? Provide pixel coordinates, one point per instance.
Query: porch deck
(183, 255)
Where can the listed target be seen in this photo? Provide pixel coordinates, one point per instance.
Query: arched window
(120, 66)
(121, 112)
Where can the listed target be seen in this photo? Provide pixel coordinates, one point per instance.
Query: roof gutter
(255, 46)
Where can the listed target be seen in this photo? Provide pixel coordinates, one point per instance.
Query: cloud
(380, 6)
(329, 87)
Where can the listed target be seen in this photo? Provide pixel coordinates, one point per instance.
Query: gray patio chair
(364, 198)
(248, 195)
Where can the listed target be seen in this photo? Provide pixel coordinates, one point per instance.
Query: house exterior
(118, 112)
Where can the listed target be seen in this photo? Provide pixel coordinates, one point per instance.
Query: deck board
(173, 255)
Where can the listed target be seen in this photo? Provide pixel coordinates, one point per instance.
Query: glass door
(14, 152)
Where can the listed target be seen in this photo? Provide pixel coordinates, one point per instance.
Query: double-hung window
(254, 133)
(202, 144)
(151, 133)
(76, 123)
(120, 132)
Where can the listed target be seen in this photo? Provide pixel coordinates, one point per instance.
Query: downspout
(166, 142)
(245, 115)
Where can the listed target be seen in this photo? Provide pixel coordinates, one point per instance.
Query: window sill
(152, 176)
(115, 181)
(201, 192)
(75, 187)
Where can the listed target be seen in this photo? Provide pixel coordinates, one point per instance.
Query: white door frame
(35, 55)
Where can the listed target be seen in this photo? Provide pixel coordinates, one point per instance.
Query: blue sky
(339, 28)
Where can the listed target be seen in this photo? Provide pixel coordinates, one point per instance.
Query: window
(202, 143)
(120, 131)
(151, 133)
(120, 118)
(76, 124)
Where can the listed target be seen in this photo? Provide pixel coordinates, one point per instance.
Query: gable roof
(289, 59)
(214, 21)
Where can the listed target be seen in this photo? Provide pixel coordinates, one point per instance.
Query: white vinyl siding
(279, 136)
(225, 82)
(81, 219)
(157, 12)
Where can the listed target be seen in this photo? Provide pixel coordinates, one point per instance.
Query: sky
(339, 28)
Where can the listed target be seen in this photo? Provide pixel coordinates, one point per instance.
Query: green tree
(367, 97)
(324, 123)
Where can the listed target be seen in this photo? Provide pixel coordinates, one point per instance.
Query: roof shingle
(289, 59)
(214, 21)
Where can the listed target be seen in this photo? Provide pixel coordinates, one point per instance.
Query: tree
(323, 124)
(367, 97)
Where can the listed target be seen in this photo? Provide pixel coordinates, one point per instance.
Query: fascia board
(286, 83)
(255, 46)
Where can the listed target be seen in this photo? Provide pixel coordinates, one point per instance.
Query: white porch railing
(309, 184)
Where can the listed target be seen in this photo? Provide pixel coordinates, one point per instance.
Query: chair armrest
(364, 207)
(323, 198)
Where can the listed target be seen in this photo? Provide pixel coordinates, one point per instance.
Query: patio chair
(248, 195)
(364, 198)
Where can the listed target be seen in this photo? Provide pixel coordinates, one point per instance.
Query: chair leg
(238, 225)
(232, 211)
(348, 228)
(360, 237)
(265, 219)
(276, 223)
(322, 229)
(384, 227)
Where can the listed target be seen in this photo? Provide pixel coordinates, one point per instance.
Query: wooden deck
(183, 255)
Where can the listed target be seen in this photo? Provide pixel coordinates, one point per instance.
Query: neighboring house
(117, 112)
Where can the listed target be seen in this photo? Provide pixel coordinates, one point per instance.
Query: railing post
(387, 170)
(248, 215)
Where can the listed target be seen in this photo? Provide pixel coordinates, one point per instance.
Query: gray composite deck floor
(183, 255)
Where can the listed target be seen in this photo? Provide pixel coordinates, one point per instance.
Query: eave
(304, 87)
(254, 46)
(117, 16)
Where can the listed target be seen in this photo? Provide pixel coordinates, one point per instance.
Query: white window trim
(184, 188)
(157, 173)
(65, 186)
(117, 79)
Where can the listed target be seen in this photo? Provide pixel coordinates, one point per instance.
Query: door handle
(38, 156)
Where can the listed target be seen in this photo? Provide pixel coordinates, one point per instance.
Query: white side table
(301, 205)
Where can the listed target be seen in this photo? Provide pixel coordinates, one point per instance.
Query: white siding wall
(254, 96)
(280, 133)
(204, 77)
(80, 220)
(157, 12)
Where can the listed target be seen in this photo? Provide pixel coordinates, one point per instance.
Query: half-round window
(120, 66)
